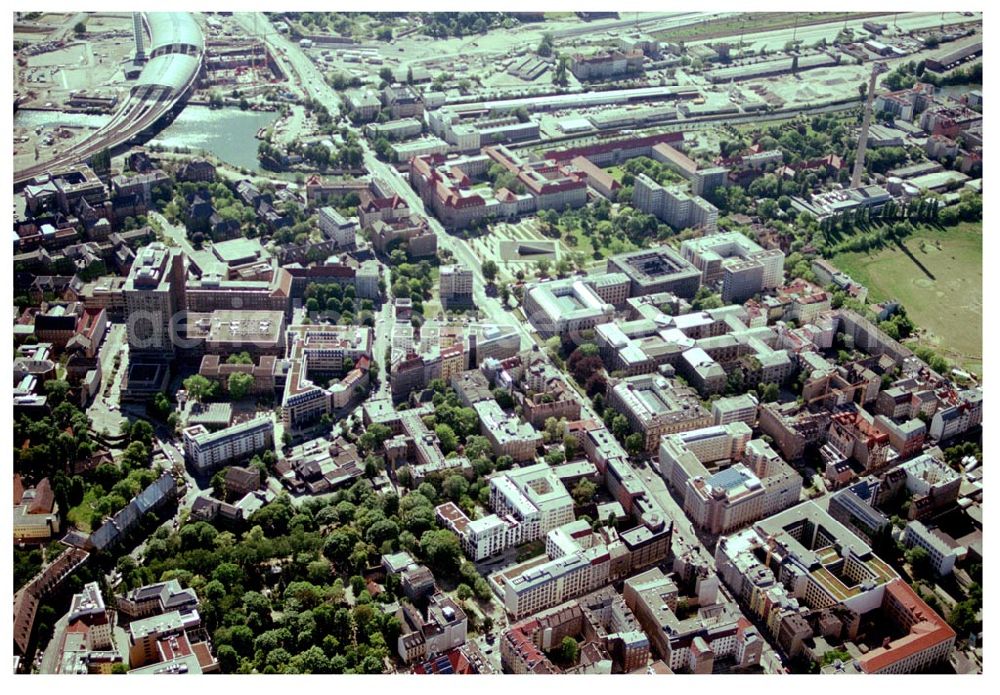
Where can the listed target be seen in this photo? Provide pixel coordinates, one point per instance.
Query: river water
(229, 134)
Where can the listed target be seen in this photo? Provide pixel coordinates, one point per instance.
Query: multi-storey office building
(341, 230)
(654, 406)
(155, 297)
(713, 253)
(208, 451)
(660, 269)
(565, 307)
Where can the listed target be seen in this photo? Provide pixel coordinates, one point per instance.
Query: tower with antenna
(859, 160)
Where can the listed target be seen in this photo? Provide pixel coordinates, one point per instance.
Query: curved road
(134, 117)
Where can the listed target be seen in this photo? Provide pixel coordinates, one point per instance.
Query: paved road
(683, 528)
(68, 27)
(384, 321)
(102, 417)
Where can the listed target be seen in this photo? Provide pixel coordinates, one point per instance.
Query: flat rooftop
(652, 265)
(237, 251)
(234, 326)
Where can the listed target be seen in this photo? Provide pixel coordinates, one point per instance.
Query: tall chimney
(859, 161)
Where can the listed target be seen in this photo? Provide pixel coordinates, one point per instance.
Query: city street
(656, 488)
(311, 80)
(385, 319)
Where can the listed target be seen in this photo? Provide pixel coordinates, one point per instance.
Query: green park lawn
(80, 515)
(616, 172)
(587, 244)
(939, 281)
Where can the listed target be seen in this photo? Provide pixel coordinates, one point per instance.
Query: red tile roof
(44, 498)
(612, 145)
(929, 630)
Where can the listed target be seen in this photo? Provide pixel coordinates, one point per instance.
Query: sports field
(939, 279)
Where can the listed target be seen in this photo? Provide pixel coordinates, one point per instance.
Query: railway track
(136, 115)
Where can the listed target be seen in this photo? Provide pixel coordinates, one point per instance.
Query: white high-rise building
(342, 231)
(208, 451)
(155, 299)
(674, 205)
(455, 285)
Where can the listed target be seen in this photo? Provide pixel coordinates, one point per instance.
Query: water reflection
(229, 134)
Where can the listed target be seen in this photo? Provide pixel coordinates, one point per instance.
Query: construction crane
(859, 161)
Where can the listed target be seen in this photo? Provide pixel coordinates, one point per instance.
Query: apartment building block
(508, 434)
(674, 205)
(209, 451)
(655, 406)
(942, 554)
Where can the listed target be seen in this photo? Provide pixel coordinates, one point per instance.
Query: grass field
(587, 244)
(80, 515)
(939, 279)
(616, 172)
